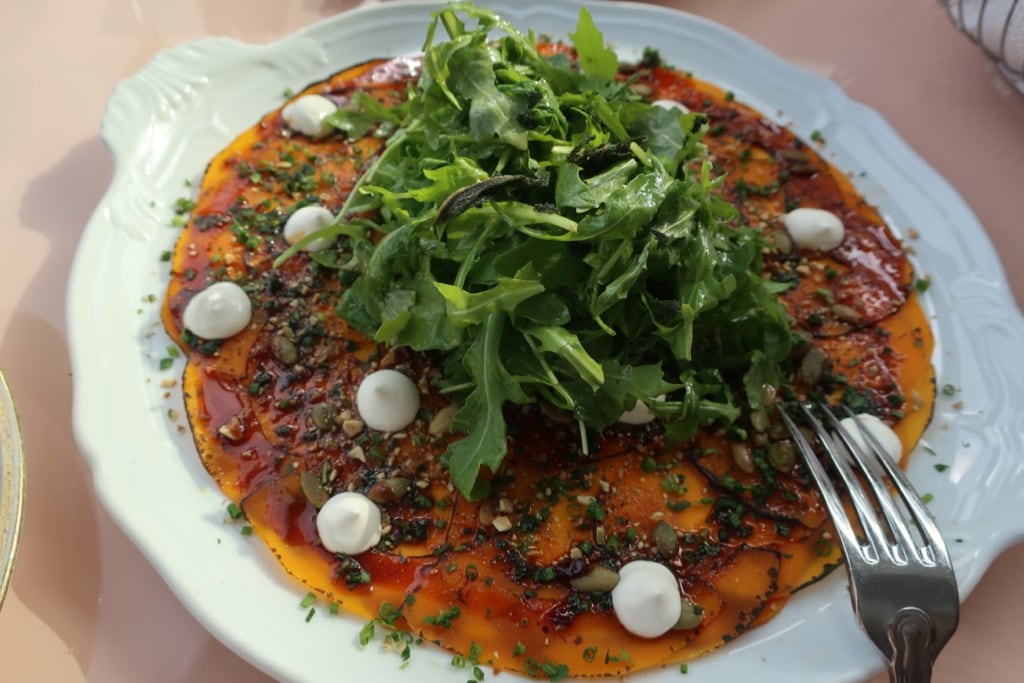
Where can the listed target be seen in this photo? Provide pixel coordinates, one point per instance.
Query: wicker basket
(998, 27)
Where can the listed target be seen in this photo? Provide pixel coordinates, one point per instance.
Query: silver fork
(902, 584)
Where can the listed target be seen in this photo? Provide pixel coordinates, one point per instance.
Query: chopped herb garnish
(445, 618)
(234, 511)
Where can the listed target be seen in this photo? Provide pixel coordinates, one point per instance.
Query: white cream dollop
(670, 105)
(220, 311)
(646, 600)
(639, 414)
(387, 400)
(814, 228)
(349, 523)
(884, 435)
(306, 115)
(305, 221)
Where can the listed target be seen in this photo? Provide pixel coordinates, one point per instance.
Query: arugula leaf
(595, 59)
(361, 115)
(481, 415)
(555, 237)
(567, 346)
(465, 308)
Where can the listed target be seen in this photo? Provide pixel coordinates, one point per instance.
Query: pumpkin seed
(759, 420)
(812, 366)
(742, 457)
(846, 313)
(690, 615)
(783, 242)
(442, 420)
(388, 490)
(313, 489)
(782, 455)
(600, 579)
(795, 155)
(284, 350)
(665, 539)
(323, 416)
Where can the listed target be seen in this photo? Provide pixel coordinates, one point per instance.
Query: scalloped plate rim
(848, 115)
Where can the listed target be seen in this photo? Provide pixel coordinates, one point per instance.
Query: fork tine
(877, 539)
(869, 466)
(908, 494)
(829, 494)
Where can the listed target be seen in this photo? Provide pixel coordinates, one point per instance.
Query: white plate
(167, 121)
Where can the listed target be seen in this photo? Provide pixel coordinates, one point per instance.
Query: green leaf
(566, 345)
(361, 115)
(594, 58)
(447, 179)
(481, 415)
(629, 208)
(465, 308)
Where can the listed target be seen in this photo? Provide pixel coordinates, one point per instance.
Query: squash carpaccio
(273, 416)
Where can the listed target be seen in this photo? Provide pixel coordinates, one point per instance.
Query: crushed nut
(352, 427)
(233, 429)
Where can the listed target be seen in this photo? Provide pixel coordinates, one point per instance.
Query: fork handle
(912, 634)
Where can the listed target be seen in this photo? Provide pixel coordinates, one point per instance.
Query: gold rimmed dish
(12, 486)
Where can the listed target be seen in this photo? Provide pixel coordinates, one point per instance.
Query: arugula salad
(553, 236)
